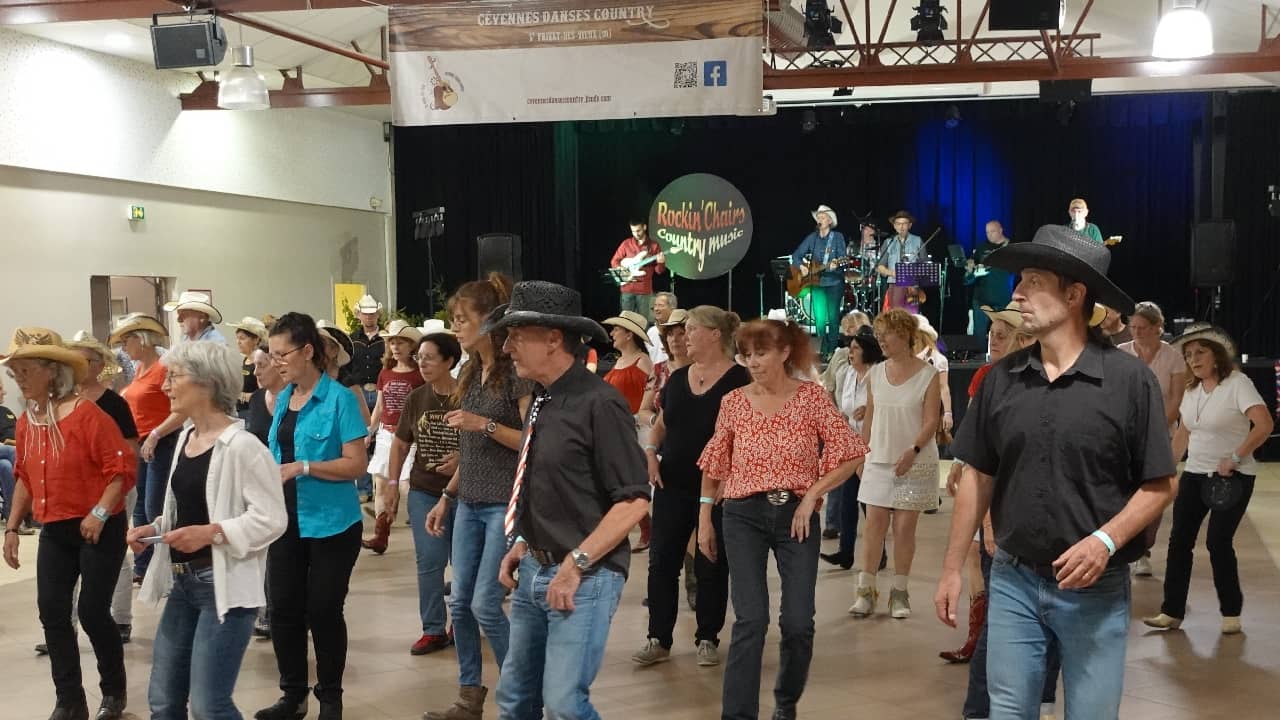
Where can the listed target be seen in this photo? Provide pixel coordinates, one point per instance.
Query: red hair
(776, 335)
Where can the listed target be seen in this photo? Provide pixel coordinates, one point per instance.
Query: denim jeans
(364, 483)
(196, 656)
(555, 655)
(479, 544)
(432, 556)
(675, 517)
(8, 457)
(122, 598)
(848, 514)
(831, 510)
(1025, 611)
(1189, 511)
(153, 481)
(752, 528)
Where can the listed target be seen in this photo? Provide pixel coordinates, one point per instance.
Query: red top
(753, 453)
(631, 248)
(69, 485)
(630, 381)
(395, 388)
(661, 374)
(976, 382)
(149, 403)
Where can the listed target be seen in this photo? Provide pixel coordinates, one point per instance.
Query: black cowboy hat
(1060, 249)
(902, 214)
(539, 303)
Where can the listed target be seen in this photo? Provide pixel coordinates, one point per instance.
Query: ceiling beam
(25, 12)
(293, 95)
(318, 44)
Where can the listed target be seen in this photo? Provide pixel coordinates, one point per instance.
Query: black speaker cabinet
(1026, 14)
(183, 45)
(1213, 253)
(499, 252)
(1060, 91)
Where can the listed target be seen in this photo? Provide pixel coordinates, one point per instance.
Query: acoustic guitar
(444, 94)
(810, 274)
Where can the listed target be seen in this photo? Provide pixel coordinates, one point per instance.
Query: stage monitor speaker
(498, 252)
(965, 348)
(1213, 250)
(190, 44)
(1026, 14)
(1060, 91)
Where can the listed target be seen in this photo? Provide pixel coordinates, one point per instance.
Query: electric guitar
(628, 270)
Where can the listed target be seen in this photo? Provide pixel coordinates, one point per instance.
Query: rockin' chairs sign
(703, 225)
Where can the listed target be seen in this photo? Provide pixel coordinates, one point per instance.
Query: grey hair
(64, 379)
(213, 366)
(149, 338)
(1150, 312)
(671, 298)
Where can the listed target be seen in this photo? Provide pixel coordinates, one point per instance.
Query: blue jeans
(8, 457)
(364, 483)
(1026, 611)
(555, 655)
(153, 481)
(432, 556)
(479, 544)
(195, 655)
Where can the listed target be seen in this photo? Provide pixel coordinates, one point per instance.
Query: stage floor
(877, 668)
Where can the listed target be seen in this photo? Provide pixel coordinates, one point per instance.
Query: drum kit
(863, 287)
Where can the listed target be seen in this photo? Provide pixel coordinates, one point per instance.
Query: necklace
(1202, 403)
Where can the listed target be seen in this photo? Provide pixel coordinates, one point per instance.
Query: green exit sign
(137, 212)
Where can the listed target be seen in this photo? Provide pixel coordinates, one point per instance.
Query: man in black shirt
(368, 349)
(1066, 442)
(580, 486)
(991, 285)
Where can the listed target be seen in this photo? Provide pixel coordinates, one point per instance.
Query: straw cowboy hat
(367, 304)
(85, 339)
(677, 317)
(251, 325)
(338, 337)
(632, 321)
(1060, 249)
(1011, 314)
(823, 209)
(196, 301)
(136, 322)
(432, 326)
(1206, 333)
(401, 329)
(37, 343)
(902, 214)
(537, 303)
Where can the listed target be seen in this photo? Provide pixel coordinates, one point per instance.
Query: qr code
(686, 75)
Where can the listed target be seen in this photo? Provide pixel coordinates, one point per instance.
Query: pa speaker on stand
(1213, 249)
(499, 252)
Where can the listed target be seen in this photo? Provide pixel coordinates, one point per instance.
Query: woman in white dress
(901, 474)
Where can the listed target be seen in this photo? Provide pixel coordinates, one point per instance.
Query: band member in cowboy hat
(580, 486)
(1066, 442)
(902, 246)
(827, 247)
(196, 316)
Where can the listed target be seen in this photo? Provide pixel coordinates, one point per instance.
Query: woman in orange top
(631, 374)
(73, 472)
(764, 462)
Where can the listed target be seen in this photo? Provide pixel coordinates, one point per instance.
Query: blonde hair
(714, 318)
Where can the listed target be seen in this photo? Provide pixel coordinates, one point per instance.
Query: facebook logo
(715, 73)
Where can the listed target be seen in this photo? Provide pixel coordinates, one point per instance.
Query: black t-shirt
(691, 421)
(995, 288)
(284, 436)
(115, 406)
(366, 358)
(258, 421)
(189, 478)
(8, 425)
(250, 384)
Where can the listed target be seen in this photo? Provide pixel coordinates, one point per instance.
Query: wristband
(1236, 458)
(704, 500)
(306, 467)
(1106, 540)
(100, 513)
(650, 446)
(392, 483)
(519, 539)
(947, 412)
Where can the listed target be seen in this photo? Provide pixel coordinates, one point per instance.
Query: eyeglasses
(172, 377)
(19, 373)
(280, 358)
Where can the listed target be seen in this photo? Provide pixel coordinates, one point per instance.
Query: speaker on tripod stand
(1213, 249)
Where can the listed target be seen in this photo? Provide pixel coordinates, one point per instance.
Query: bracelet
(650, 446)
(451, 496)
(519, 539)
(1106, 540)
(915, 449)
(1236, 458)
(7, 531)
(704, 500)
(392, 483)
(306, 467)
(947, 413)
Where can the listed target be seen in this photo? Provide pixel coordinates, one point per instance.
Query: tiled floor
(878, 668)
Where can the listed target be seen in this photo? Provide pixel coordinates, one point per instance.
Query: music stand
(916, 274)
(429, 225)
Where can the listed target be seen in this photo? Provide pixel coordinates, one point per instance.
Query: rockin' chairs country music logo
(703, 224)
(444, 91)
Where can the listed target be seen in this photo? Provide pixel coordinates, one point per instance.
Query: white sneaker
(708, 655)
(865, 604)
(1232, 626)
(1142, 567)
(899, 604)
(651, 653)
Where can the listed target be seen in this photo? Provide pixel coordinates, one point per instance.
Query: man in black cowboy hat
(580, 487)
(902, 246)
(1066, 442)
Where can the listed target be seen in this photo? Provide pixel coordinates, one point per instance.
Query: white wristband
(1106, 540)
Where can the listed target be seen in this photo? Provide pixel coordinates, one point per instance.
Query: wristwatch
(490, 427)
(100, 513)
(580, 559)
(219, 538)
(915, 449)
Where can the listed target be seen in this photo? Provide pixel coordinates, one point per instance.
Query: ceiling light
(243, 88)
(929, 23)
(1183, 32)
(118, 41)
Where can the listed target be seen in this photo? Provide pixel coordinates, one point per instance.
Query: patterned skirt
(917, 490)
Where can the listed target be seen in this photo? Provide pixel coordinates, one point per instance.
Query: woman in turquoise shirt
(317, 436)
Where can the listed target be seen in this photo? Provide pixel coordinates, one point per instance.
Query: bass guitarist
(822, 251)
(637, 284)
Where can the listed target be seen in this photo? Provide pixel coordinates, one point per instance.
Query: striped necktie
(509, 520)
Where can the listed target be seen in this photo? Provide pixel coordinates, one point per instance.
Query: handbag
(1221, 492)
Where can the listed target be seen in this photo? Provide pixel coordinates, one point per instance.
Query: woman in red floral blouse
(763, 463)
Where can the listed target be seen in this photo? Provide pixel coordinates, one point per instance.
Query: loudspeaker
(1060, 91)
(193, 44)
(1026, 14)
(499, 252)
(1213, 251)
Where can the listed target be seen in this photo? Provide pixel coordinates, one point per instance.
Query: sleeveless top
(630, 381)
(898, 413)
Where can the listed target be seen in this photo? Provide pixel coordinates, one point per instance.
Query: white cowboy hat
(368, 305)
(633, 322)
(926, 327)
(134, 322)
(829, 213)
(197, 301)
(1204, 332)
(778, 314)
(401, 329)
(251, 325)
(337, 337)
(431, 326)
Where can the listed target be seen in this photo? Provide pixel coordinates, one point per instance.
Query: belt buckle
(180, 568)
(778, 497)
(542, 557)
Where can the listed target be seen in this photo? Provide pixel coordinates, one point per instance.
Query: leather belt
(780, 497)
(544, 558)
(1044, 570)
(189, 568)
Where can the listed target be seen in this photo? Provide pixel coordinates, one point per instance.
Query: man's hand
(1082, 564)
(662, 259)
(953, 478)
(564, 586)
(510, 561)
(948, 597)
(289, 471)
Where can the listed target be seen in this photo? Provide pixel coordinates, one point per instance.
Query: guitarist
(991, 286)
(825, 247)
(637, 295)
(902, 247)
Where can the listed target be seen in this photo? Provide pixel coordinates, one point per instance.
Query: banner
(490, 61)
(703, 225)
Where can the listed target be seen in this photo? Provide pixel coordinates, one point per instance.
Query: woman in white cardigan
(223, 508)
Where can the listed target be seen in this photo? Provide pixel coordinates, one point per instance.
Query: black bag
(1221, 492)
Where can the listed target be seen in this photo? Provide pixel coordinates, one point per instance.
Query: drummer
(902, 246)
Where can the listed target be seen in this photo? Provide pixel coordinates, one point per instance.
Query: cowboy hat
(678, 316)
(902, 214)
(1011, 314)
(339, 338)
(1206, 333)
(633, 322)
(136, 322)
(926, 327)
(367, 304)
(85, 339)
(1099, 314)
(196, 301)
(431, 326)
(401, 329)
(251, 325)
(539, 303)
(829, 212)
(1061, 250)
(37, 343)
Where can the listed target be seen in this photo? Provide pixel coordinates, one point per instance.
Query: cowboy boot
(381, 534)
(468, 706)
(977, 618)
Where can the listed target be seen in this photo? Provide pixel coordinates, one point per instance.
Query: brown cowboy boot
(381, 534)
(977, 618)
(469, 705)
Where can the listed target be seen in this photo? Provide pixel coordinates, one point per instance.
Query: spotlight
(808, 121)
(1273, 201)
(928, 22)
(842, 92)
(952, 116)
(820, 28)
